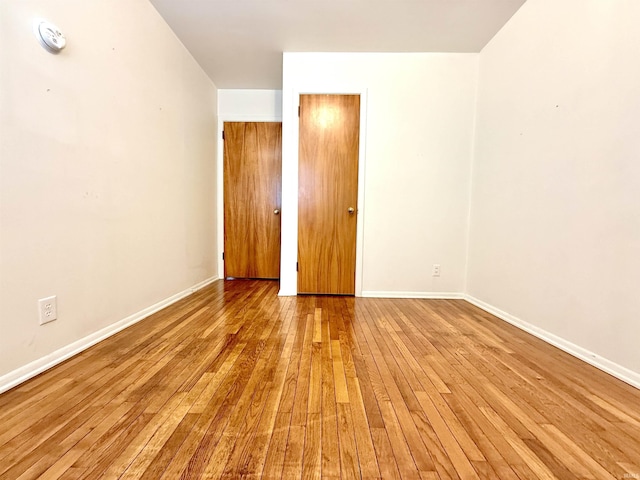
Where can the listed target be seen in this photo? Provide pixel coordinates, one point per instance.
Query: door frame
(220, 178)
(290, 147)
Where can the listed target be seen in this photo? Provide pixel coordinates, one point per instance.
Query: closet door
(328, 193)
(252, 189)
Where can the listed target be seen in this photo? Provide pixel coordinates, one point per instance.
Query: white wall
(236, 105)
(107, 173)
(417, 153)
(555, 223)
(246, 104)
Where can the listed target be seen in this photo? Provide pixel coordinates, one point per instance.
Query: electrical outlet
(48, 309)
(435, 272)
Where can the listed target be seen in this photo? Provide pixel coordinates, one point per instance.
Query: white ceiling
(239, 43)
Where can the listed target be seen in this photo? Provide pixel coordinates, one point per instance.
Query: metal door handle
(351, 210)
(276, 212)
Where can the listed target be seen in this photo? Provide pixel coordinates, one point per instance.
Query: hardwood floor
(235, 382)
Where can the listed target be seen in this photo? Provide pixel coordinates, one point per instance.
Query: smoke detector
(49, 36)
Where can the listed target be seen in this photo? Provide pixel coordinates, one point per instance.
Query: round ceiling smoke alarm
(49, 36)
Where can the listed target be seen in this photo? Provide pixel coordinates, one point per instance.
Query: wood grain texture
(252, 191)
(234, 382)
(328, 187)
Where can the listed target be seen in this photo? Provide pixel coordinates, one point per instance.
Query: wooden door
(252, 189)
(328, 193)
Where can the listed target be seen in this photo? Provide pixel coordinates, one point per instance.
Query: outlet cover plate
(48, 308)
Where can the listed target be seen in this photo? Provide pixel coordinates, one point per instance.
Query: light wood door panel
(252, 190)
(328, 188)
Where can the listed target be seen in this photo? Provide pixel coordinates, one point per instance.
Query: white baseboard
(429, 295)
(36, 367)
(287, 293)
(382, 294)
(618, 371)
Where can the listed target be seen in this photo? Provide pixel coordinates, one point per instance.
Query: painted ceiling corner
(239, 44)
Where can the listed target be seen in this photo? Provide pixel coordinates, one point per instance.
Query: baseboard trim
(22, 374)
(612, 368)
(287, 293)
(427, 295)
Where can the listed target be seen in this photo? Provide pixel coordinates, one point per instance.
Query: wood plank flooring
(234, 382)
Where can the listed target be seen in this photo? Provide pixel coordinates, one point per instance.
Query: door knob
(351, 210)
(276, 212)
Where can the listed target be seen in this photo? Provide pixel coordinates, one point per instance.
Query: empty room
(267, 239)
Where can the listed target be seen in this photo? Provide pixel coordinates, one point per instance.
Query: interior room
(459, 301)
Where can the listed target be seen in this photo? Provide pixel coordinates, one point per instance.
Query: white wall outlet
(435, 271)
(48, 309)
